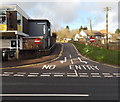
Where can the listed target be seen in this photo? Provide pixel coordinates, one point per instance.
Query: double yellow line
(29, 65)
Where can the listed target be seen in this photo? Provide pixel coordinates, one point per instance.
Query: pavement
(69, 76)
(55, 52)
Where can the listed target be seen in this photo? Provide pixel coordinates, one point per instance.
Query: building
(11, 33)
(40, 27)
(18, 30)
(84, 35)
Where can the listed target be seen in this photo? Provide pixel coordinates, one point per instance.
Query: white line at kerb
(85, 95)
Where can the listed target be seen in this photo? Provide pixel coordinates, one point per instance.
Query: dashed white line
(5, 74)
(8, 72)
(32, 75)
(58, 75)
(45, 75)
(18, 75)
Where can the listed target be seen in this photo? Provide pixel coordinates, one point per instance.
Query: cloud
(72, 13)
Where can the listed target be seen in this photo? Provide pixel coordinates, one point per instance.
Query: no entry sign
(92, 39)
(37, 41)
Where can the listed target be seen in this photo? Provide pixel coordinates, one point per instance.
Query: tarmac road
(67, 77)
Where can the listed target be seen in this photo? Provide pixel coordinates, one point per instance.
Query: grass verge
(99, 54)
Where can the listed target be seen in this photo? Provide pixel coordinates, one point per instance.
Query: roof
(104, 31)
(94, 32)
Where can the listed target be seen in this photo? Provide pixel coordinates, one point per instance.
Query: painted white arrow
(65, 59)
(82, 61)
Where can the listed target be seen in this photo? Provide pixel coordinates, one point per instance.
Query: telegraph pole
(91, 25)
(107, 9)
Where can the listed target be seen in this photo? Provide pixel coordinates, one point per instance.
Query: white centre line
(52, 95)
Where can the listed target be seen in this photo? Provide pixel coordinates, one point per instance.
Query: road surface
(67, 77)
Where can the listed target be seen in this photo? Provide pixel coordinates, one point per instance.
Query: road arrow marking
(65, 59)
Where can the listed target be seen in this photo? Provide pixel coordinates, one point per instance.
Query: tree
(117, 31)
(67, 27)
(80, 28)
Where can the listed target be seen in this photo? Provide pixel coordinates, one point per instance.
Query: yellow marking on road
(29, 65)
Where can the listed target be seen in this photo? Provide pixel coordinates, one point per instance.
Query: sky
(72, 13)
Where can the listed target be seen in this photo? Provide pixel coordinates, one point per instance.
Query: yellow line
(22, 66)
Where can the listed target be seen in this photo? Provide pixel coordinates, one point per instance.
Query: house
(86, 34)
(76, 37)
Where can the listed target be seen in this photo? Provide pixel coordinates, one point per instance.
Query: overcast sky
(74, 14)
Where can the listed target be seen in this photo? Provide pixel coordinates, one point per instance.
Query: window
(2, 16)
(19, 17)
(13, 43)
(44, 29)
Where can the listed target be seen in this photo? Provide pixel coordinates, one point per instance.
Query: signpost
(92, 39)
(37, 41)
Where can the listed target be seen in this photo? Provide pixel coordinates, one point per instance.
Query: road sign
(37, 41)
(92, 39)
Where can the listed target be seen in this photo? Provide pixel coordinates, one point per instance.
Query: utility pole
(91, 25)
(107, 9)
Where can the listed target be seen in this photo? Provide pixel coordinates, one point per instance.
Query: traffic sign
(92, 39)
(37, 41)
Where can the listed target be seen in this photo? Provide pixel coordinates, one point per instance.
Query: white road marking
(32, 95)
(65, 59)
(45, 75)
(83, 75)
(116, 74)
(70, 56)
(72, 76)
(78, 67)
(5, 74)
(95, 75)
(32, 75)
(58, 75)
(49, 67)
(82, 61)
(107, 75)
(21, 72)
(84, 67)
(71, 61)
(96, 67)
(76, 73)
(18, 75)
(71, 73)
(8, 72)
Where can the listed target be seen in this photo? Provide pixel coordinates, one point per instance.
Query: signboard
(92, 39)
(37, 41)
